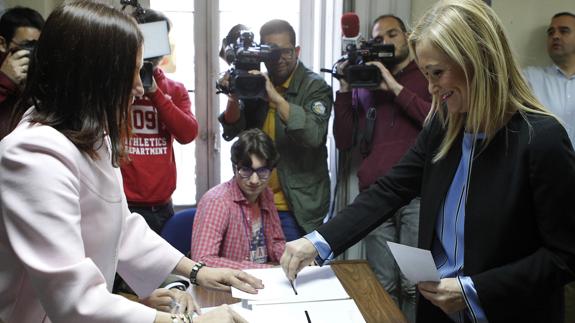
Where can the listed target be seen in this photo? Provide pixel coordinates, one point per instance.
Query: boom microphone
(350, 29)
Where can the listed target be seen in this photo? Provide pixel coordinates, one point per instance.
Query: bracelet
(194, 272)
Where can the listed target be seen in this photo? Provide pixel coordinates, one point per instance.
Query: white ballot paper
(312, 284)
(416, 264)
(335, 311)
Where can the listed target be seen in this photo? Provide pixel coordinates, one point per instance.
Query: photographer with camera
(19, 30)
(389, 119)
(160, 116)
(298, 110)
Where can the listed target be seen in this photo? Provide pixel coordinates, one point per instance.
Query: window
(179, 66)
(197, 29)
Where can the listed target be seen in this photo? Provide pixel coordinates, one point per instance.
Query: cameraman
(299, 107)
(19, 30)
(162, 114)
(398, 109)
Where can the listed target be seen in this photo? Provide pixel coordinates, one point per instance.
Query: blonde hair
(471, 35)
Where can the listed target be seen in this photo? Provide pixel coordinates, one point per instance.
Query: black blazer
(519, 222)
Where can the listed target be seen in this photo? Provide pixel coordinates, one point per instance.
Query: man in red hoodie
(160, 116)
(19, 28)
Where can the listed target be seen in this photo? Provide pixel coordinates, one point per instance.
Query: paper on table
(313, 284)
(416, 264)
(333, 311)
(237, 307)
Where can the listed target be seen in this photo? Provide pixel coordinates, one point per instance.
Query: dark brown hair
(277, 26)
(254, 142)
(81, 75)
(17, 17)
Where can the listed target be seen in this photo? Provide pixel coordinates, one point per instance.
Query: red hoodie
(158, 118)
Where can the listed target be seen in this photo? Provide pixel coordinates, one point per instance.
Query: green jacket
(301, 143)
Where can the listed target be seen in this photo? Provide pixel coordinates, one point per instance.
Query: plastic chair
(178, 230)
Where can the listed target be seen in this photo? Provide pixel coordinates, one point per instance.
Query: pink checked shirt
(219, 236)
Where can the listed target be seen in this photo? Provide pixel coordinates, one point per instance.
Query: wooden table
(357, 278)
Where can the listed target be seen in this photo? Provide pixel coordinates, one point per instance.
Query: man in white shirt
(554, 85)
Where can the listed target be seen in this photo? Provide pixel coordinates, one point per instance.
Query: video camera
(357, 73)
(243, 54)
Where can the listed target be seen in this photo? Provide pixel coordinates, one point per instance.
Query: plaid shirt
(219, 236)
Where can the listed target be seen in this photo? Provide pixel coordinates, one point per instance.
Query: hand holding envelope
(418, 266)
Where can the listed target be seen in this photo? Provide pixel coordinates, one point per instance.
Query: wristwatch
(194, 272)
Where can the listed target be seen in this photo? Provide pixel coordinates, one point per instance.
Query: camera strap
(367, 139)
(355, 118)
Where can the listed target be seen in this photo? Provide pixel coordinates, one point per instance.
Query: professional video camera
(243, 54)
(357, 73)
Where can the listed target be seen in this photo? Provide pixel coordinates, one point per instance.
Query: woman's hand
(223, 278)
(446, 294)
(171, 301)
(298, 254)
(222, 314)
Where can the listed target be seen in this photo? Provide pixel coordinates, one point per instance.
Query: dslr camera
(359, 75)
(243, 55)
(28, 45)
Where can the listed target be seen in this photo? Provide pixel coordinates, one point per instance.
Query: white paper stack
(319, 292)
(335, 311)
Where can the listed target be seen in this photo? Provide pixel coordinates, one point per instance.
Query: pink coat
(64, 231)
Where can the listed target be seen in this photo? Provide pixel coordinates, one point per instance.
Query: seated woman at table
(237, 224)
(65, 228)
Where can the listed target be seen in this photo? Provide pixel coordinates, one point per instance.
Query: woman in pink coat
(65, 228)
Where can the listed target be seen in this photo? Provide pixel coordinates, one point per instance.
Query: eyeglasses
(285, 52)
(247, 172)
(27, 44)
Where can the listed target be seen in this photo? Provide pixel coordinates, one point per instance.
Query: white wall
(525, 22)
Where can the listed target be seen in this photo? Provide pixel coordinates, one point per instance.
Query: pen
(291, 282)
(307, 317)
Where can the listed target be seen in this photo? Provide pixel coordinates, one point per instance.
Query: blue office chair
(178, 230)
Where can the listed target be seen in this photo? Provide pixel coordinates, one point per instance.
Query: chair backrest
(178, 230)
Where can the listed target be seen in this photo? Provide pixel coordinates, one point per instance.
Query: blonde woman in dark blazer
(496, 175)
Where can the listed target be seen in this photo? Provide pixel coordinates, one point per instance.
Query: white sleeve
(140, 249)
(39, 189)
